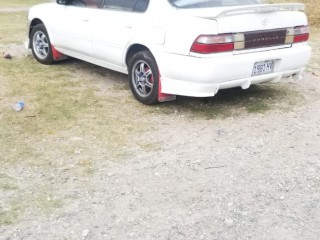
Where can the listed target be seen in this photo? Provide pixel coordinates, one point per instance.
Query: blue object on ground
(18, 106)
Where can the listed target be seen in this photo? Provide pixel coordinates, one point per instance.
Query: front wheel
(40, 45)
(144, 77)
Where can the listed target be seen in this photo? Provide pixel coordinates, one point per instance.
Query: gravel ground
(253, 176)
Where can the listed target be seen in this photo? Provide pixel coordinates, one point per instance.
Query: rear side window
(127, 5)
(211, 3)
(93, 3)
(141, 6)
(85, 3)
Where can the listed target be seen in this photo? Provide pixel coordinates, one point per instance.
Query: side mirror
(62, 2)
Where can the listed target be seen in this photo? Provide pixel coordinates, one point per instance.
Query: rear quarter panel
(181, 31)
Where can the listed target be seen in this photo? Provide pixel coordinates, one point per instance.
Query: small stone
(78, 151)
(76, 139)
(221, 132)
(244, 213)
(316, 73)
(228, 222)
(7, 55)
(85, 232)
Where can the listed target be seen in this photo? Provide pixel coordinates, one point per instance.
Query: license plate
(264, 67)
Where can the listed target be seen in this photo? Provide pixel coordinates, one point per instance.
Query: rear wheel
(144, 77)
(40, 45)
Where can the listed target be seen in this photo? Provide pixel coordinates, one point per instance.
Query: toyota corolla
(176, 47)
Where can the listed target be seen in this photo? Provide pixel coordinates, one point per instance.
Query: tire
(144, 77)
(40, 45)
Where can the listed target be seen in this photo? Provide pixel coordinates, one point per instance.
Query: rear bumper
(198, 89)
(203, 77)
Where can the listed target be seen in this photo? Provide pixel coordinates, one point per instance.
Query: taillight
(297, 34)
(213, 44)
(301, 34)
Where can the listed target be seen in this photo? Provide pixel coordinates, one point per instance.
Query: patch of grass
(11, 214)
(40, 200)
(7, 183)
(44, 201)
(57, 100)
(19, 3)
(13, 27)
(49, 104)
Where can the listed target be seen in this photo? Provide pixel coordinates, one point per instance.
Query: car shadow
(236, 101)
(227, 102)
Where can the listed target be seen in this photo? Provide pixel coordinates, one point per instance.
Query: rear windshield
(211, 3)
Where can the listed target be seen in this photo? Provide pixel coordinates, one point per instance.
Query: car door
(117, 24)
(72, 29)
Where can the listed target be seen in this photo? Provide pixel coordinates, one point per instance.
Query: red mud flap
(163, 97)
(57, 55)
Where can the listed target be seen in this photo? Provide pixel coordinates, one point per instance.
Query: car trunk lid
(256, 26)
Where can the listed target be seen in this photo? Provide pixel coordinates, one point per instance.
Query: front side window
(211, 3)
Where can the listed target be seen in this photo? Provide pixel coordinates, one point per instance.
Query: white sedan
(176, 47)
